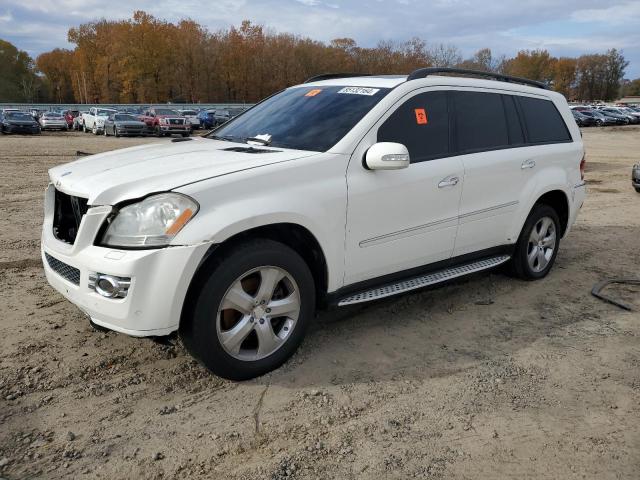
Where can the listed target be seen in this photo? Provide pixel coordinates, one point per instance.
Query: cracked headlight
(152, 222)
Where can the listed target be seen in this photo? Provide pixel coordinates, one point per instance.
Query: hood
(109, 178)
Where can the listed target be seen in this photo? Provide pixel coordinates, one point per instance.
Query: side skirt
(421, 277)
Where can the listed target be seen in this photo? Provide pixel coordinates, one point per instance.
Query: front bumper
(175, 128)
(159, 277)
(21, 129)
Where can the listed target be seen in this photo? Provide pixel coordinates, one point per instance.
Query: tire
(158, 132)
(542, 226)
(599, 123)
(203, 327)
(115, 132)
(84, 128)
(94, 129)
(104, 131)
(185, 134)
(637, 189)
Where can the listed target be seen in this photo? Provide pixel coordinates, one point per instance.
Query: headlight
(152, 222)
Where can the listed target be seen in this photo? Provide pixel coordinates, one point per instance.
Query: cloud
(570, 27)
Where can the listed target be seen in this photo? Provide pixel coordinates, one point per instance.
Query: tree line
(148, 60)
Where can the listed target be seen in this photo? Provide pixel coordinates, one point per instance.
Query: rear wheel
(251, 311)
(538, 244)
(158, 131)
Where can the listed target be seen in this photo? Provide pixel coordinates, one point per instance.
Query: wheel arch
(559, 201)
(293, 235)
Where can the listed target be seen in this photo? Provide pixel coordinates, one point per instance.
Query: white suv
(344, 189)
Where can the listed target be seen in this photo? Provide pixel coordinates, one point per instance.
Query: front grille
(176, 121)
(67, 215)
(67, 272)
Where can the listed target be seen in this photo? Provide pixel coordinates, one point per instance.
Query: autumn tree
(17, 78)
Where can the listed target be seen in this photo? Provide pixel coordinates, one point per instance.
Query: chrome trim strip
(581, 184)
(489, 209)
(407, 232)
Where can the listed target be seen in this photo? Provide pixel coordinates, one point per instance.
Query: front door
(401, 219)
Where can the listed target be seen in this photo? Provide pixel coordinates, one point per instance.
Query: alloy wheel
(542, 244)
(258, 313)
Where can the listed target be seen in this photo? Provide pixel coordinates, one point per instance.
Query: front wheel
(251, 310)
(538, 244)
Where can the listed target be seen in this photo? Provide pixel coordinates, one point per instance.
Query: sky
(564, 27)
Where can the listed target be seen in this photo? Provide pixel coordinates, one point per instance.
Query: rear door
(489, 137)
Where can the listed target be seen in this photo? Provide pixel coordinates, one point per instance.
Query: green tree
(18, 82)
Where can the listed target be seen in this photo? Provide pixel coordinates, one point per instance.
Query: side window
(421, 124)
(543, 121)
(480, 121)
(516, 137)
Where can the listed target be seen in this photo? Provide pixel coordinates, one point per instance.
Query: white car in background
(93, 121)
(192, 118)
(338, 191)
(53, 121)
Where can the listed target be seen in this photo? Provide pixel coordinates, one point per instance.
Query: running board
(424, 280)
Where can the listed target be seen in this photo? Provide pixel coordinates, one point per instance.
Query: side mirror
(386, 156)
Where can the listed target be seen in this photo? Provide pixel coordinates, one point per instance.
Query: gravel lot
(488, 377)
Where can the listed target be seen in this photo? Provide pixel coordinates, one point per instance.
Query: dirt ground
(488, 377)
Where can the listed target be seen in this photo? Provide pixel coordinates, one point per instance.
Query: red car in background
(69, 115)
(163, 121)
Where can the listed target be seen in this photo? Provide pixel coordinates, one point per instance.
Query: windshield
(306, 118)
(52, 115)
(188, 112)
(165, 111)
(18, 116)
(104, 113)
(125, 118)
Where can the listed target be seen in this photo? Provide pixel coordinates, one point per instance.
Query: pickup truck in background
(93, 121)
(165, 121)
(192, 118)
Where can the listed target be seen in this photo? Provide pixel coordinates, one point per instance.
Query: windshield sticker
(421, 116)
(312, 93)
(359, 91)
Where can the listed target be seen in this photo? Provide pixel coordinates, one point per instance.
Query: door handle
(448, 182)
(528, 164)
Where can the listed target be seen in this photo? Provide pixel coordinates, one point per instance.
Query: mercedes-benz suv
(341, 190)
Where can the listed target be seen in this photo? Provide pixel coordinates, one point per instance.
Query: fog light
(109, 286)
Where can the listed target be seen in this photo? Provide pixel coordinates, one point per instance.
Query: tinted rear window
(480, 121)
(543, 121)
(421, 124)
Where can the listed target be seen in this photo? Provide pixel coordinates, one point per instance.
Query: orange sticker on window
(312, 93)
(421, 116)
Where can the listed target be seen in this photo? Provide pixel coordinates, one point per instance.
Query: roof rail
(425, 72)
(330, 76)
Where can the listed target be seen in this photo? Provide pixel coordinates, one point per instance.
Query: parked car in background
(192, 118)
(583, 120)
(601, 120)
(207, 119)
(77, 122)
(221, 117)
(93, 121)
(70, 116)
(616, 113)
(18, 122)
(633, 116)
(163, 121)
(53, 121)
(124, 124)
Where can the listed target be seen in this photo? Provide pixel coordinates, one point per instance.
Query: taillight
(583, 162)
